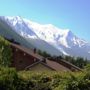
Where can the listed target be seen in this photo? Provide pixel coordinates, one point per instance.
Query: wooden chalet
(26, 59)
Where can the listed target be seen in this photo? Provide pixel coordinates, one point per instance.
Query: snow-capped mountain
(49, 38)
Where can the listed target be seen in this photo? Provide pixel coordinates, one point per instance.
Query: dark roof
(27, 50)
(68, 63)
(56, 66)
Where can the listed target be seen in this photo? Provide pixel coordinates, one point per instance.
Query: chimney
(44, 60)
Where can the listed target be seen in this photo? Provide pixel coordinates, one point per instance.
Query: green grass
(10, 79)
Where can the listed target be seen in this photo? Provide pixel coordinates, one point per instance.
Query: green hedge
(10, 79)
(5, 52)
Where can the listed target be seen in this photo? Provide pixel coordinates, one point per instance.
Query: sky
(65, 14)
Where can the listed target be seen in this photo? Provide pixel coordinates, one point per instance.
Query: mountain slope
(25, 36)
(8, 32)
(63, 40)
(49, 38)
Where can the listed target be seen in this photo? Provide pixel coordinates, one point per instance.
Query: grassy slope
(26, 80)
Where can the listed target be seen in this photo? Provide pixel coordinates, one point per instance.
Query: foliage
(44, 53)
(10, 79)
(5, 52)
(87, 67)
(78, 61)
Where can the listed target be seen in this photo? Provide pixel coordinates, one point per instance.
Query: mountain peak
(17, 17)
(69, 33)
(61, 39)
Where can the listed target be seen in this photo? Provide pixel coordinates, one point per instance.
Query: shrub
(5, 52)
(10, 79)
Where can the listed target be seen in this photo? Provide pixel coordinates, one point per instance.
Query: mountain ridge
(63, 40)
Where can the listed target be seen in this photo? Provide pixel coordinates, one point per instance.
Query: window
(24, 54)
(16, 49)
(34, 59)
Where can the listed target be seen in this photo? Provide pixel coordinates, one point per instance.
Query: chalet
(27, 59)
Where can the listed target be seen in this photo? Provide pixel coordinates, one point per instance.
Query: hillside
(9, 32)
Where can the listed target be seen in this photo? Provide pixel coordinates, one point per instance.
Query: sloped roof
(56, 66)
(68, 63)
(27, 50)
(46, 65)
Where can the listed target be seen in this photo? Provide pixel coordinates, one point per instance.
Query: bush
(26, 80)
(8, 79)
(5, 52)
